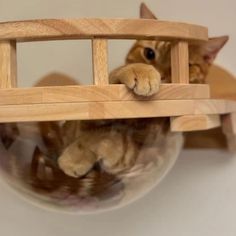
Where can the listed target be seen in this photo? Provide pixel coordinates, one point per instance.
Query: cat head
(157, 53)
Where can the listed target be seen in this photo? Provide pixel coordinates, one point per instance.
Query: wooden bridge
(189, 106)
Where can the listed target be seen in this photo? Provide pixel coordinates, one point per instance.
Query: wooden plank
(113, 110)
(7, 64)
(37, 30)
(66, 94)
(229, 123)
(194, 122)
(180, 63)
(100, 61)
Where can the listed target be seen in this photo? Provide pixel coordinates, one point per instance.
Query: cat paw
(143, 79)
(76, 161)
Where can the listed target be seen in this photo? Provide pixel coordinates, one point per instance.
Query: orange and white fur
(115, 145)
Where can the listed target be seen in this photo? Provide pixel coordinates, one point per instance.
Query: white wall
(197, 197)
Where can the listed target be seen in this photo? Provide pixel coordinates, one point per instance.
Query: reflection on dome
(29, 165)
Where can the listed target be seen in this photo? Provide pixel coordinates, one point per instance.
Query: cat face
(157, 53)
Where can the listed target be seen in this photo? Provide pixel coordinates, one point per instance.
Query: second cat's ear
(211, 48)
(146, 13)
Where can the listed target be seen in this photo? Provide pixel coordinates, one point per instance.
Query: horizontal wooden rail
(93, 93)
(111, 110)
(38, 30)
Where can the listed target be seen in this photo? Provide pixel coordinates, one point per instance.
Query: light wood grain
(180, 63)
(37, 30)
(100, 61)
(91, 93)
(7, 64)
(194, 122)
(113, 110)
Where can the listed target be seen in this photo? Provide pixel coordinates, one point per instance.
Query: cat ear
(211, 48)
(146, 13)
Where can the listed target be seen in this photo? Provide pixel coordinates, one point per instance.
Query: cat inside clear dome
(88, 166)
(29, 153)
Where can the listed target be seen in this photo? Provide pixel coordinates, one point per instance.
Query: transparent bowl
(39, 180)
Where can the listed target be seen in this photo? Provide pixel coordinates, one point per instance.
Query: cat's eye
(149, 53)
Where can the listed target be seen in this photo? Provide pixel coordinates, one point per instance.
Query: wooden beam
(8, 64)
(194, 122)
(91, 93)
(113, 110)
(100, 61)
(38, 30)
(180, 63)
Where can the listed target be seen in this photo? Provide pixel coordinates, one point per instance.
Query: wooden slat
(180, 63)
(63, 94)
(113, 110)
(100, 61)
(180, 74)
(37, 30)
(194, 122)
(7, 64)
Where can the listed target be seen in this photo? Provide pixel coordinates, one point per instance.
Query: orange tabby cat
(100, 153)
(147, 64)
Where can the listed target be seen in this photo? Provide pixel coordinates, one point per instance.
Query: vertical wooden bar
(180, 75)
(229, 130)
(229, 123)
(100, 61)
(8, 65)
(180, 63)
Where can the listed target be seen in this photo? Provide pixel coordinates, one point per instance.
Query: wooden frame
(113, 110)
(194, 122)
(97, 93)
(178, 100)
(38, 30)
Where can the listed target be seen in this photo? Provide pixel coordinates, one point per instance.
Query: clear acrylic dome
(39, 179)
